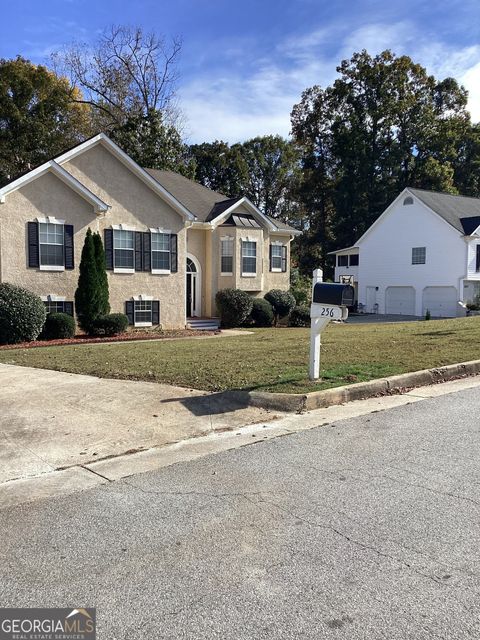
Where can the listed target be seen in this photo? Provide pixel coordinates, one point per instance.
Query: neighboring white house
(422, 253)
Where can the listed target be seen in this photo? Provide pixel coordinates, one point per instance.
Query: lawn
(270, 359)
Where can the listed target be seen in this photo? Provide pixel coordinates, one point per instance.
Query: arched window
(191, 268)
(408, 200)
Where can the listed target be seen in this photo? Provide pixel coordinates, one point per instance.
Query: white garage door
(400, 301)
(440, 301)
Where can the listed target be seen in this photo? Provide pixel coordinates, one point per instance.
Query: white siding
(386, 254)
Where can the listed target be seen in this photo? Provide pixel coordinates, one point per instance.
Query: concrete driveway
(50, 420)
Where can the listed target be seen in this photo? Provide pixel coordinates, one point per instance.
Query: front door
(193, 286)
(189, 295)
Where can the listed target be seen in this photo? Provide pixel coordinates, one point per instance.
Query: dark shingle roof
(204, 203)
(461, 212)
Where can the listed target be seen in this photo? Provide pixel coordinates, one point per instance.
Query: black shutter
(129, 311)
(68, 308)
(477, 267)
(68, 243)
(155, 312)
(173, 253)
(138, 250)
(33, 248)
(108, 246)
(284, 258)
(147, 256)
(270, 258)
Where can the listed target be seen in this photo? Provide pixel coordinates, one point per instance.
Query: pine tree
(88, 301)
(104, 304)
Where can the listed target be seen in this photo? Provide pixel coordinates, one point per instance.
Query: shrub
(234, 306)
(22, 314)
(261, 314)
(58, 325)
(300, 317)
(300, 287)
(110, 325)
(282, 302)
(91, 296)
(428, 315)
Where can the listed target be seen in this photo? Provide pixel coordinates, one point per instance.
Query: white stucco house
(422, 253)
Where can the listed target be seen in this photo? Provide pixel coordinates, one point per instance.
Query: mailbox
(342, 295)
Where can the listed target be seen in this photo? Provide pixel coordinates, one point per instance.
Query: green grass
(271, 359)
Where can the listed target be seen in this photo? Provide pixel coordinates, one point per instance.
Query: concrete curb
(294, 402)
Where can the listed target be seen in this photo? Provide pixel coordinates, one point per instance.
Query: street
(367, 528)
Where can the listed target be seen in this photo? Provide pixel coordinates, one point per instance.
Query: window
(55, 306)
(477, 262)
(408, 200)
(160, 252)
(51, 240)
(342, 261)
(276, 257)
(142, 313)
(123, 249)
(249, 258)
(226, 259)
(354, 260)
(419, 255)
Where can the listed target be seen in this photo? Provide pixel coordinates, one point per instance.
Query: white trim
(123, 269)
(64, 176)
(101, 138)
(123, 227)
(142, 297)
(276, 269)
(159, 230)
(278, 243)
(226, 273)
(53, 298)
(253, 209)
(143, 324)
(161, 272)
(51, 267)
(50, 220)
(249, 275)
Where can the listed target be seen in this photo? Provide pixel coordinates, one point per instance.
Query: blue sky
(244, 64)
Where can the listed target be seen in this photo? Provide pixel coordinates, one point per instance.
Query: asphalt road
(365, 529)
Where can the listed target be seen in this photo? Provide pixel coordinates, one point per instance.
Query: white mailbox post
(329, 302)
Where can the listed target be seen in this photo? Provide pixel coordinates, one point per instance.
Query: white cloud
(233, 107)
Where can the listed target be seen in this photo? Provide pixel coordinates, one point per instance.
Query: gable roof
(462, 212)
(52, 167)
(205, 204)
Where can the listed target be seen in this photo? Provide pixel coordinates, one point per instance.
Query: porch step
(204, 324)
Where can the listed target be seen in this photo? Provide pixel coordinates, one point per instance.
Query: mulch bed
(130, 336)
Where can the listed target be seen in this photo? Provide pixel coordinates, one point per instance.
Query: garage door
(440, 301)
(400, 301)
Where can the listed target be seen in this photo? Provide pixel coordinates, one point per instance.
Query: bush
(300, 317)
(282, 302)
(300, 287)
(91, 296)
(234, 306)
(261, 314)
(58, 325)
(110, 325)
(22, 314)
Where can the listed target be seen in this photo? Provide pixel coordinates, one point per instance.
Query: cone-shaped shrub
(104, 304)
(88, 299)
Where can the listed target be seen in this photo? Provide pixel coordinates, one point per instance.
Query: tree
(125, 72)
(218, 167)
(89, 296)
(383, 124)
(154, 144)
(40, 116)
(104, 302)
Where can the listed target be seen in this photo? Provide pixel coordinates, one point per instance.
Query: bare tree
(126, 73)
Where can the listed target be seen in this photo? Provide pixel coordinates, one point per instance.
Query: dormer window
(408, 200)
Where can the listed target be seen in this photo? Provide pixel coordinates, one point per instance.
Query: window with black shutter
(342, 261)
(59, 306)
(477, 262)
(354, 260)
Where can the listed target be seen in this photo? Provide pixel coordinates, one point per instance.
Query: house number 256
(327, 312)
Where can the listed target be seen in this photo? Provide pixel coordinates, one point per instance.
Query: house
(170, 243)
(422, 253)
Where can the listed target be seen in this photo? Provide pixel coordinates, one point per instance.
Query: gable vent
(408, 200)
